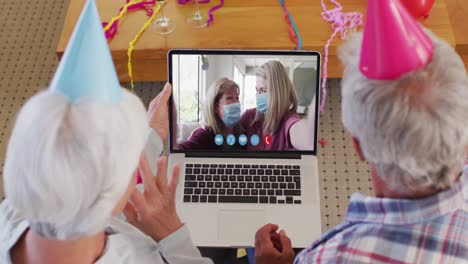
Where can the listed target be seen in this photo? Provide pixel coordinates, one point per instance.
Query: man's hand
(154, 210)
(272, 247)
(158, 112)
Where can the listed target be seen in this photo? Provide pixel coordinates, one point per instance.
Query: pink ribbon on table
(212, 10)
(147, 5)
(183, 2)
(341, 23)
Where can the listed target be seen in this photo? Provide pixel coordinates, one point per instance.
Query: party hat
(394, 43)
(86, 70)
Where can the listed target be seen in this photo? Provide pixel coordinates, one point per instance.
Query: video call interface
(231, 102)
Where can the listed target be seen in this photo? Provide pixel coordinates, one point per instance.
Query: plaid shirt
(382, 230)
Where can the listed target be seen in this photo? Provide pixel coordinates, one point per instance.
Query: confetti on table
(323, 142)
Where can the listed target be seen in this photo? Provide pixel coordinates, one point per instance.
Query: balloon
(418, 8)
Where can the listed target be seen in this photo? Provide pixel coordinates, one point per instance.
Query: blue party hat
(86, 70)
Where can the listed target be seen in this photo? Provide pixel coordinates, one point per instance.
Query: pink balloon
(418, 8)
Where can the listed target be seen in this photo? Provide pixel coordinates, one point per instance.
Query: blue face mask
(232, 114)
(262, 102)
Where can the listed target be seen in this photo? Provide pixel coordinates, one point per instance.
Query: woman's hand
(154, 210)
(158, 112)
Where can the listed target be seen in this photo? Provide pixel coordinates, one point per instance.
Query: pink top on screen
(280, 140)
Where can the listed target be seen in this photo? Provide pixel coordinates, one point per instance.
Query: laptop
(231, 184)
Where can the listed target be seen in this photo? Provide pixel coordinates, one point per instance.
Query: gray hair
(68, 165)
(413, 129)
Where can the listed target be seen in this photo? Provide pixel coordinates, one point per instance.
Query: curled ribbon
(341, 23)
(110, 29)
(292, 30)
(131, 45)
(212, 10)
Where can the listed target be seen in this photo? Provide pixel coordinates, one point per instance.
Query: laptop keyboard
(240, 183)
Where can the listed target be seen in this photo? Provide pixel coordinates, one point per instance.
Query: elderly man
(410, 125)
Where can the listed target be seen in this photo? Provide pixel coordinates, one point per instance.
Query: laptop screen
(238, 101)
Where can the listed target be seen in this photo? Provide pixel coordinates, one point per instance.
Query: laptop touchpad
(240, 225)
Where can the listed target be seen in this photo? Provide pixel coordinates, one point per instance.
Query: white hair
(412, 129)
(68, 165)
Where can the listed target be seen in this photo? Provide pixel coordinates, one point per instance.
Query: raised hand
(154, 210)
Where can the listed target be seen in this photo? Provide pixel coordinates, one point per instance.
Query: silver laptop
(231, 184)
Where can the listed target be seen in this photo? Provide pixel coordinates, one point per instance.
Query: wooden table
(458, 13)
(240, 24)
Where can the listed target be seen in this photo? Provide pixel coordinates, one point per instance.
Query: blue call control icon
(254, 140)
(219, 139)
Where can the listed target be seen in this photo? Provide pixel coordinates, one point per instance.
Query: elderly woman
(221, 115)
(412, 131)
(71, 167)
(68, 180)
(276, 112)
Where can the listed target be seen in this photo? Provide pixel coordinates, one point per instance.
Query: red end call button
(267, 139)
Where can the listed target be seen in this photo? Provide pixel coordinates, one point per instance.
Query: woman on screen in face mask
(275, 120)
(221, 114)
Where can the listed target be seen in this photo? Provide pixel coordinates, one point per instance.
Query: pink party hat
(394, 43)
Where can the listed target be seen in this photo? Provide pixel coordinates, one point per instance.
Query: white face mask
(232, 114)
(262, 102)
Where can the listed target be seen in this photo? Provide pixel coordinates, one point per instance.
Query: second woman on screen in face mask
(221, 116)
(275, 120)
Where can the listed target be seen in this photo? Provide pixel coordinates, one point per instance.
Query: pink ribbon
(110, 33)
(341, 23)
(212, 10)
